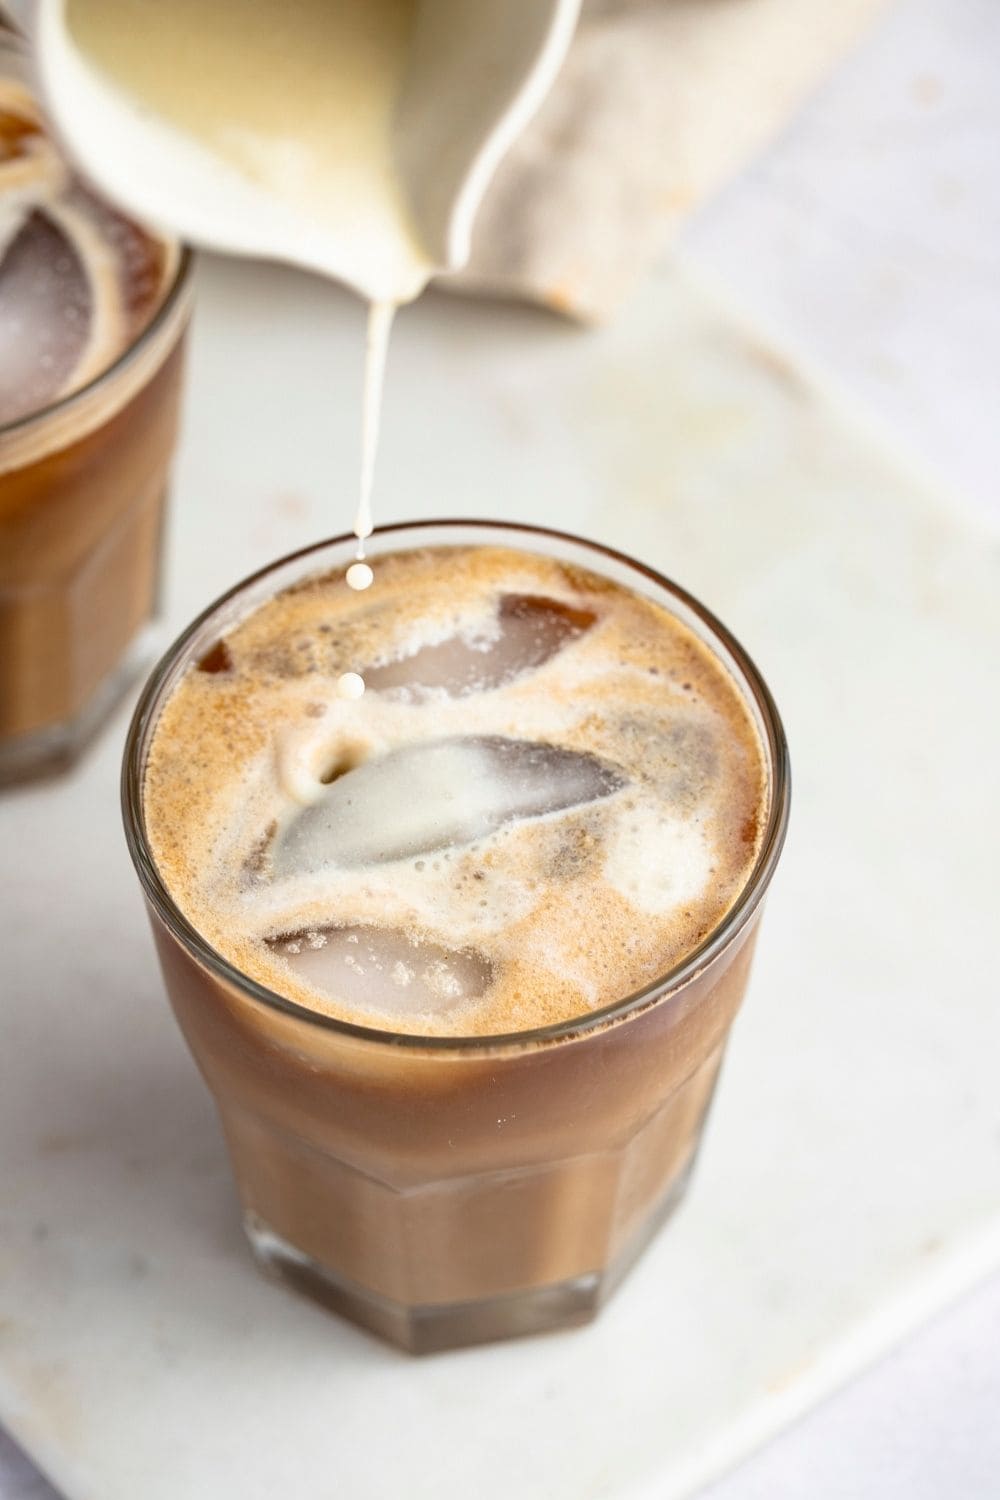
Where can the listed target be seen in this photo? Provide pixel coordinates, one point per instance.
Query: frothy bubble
(350, 685)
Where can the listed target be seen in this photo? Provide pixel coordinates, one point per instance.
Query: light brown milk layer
(496, 911)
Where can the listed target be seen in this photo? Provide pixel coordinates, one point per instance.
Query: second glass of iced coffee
(93, 314)
(457, 959)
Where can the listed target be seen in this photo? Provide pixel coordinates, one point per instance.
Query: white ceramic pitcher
(473, 73)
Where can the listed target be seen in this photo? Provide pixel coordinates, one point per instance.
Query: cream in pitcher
(294, 97)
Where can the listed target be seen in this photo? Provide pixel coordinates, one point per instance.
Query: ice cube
(45, 312)
(530, 630)
(385, 971)
(433, 795)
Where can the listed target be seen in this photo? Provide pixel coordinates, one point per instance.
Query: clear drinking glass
(83, 484)
(83, 488)
(444, 1191)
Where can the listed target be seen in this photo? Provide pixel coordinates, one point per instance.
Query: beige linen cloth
(657, 104)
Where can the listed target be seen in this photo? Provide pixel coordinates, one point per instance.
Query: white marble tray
(851, 1180)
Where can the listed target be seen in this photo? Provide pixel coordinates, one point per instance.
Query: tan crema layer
(572, 910)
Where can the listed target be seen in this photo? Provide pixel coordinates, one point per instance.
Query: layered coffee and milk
(550, 793)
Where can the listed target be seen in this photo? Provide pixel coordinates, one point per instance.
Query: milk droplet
(359, 576)
(350, 685)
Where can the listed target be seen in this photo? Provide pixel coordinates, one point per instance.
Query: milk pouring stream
(352, 137)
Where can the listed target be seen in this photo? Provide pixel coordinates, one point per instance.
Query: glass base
(435, 1327)
(56, 747)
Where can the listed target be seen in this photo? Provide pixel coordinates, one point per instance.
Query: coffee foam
(78, 285)
(565, 910)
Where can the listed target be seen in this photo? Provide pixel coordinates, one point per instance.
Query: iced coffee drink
(458, 956)
(92, 312)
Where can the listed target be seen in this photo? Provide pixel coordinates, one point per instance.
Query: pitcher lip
(662, 988)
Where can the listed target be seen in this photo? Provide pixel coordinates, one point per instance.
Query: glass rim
(670, 982)
(171, 298)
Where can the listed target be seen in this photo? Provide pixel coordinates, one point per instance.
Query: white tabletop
(867, 237)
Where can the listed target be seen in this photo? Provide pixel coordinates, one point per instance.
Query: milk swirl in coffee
(549, 795)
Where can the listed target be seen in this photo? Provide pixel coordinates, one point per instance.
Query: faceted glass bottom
(431, 1328)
